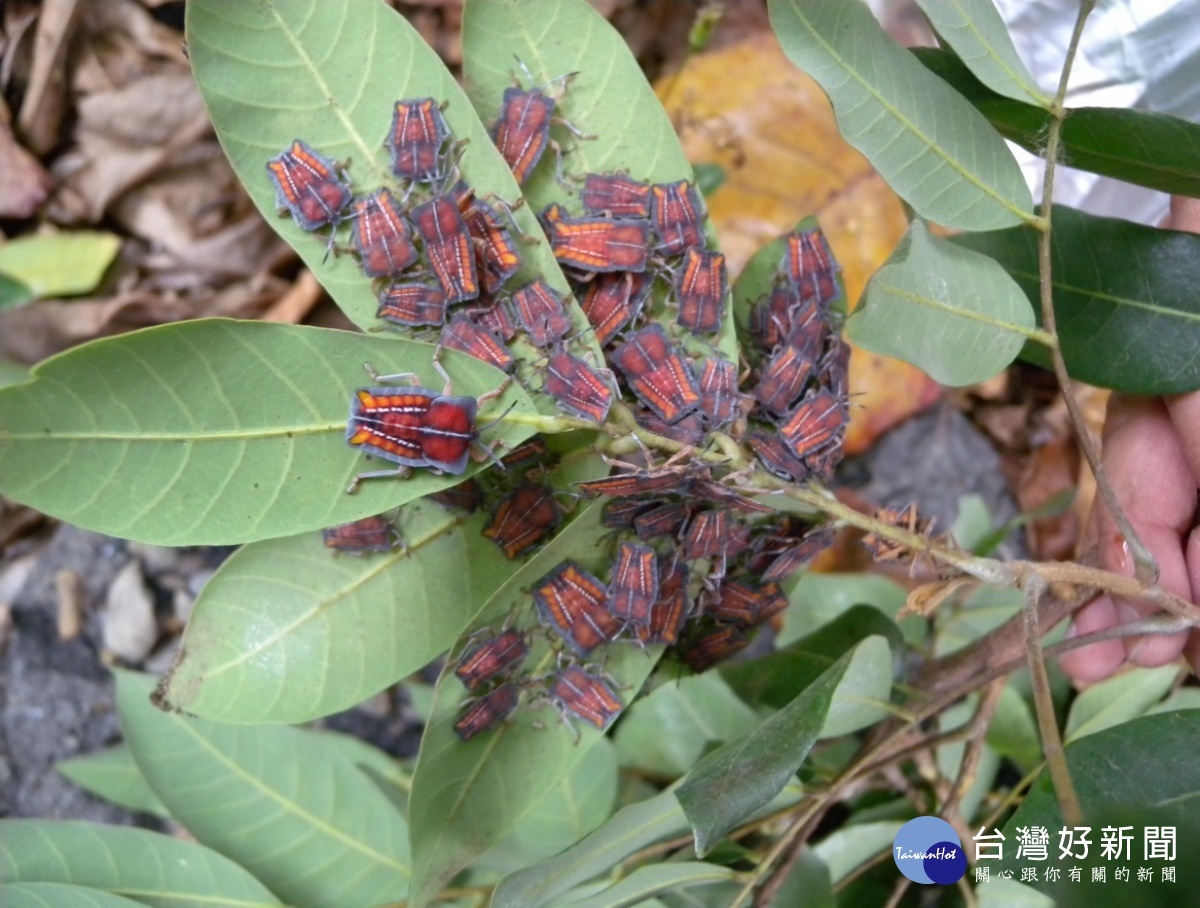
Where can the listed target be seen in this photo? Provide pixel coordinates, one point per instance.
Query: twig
(1146, 569)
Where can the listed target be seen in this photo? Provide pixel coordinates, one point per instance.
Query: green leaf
(466, 797)
(657, 878)
(13, 293)
(59, 264)
(958, 317)
(609, 99)
(330, 74)
(1139, 773)
(1117, 700)
(60, 895)
(1156, 150)
(12, 373)
(777, 678)
(113, 775)
(1124, 299)
(980, 39)
(631, 828)
(852, 846)
(1012, 733)
(286, 806)
(576, 806)
(817, 599)
(312, 633)
(213, 431)
(665, 733)
(983, 611)
(155, 869)
(807, 884)
(740, 777)
(932, 147)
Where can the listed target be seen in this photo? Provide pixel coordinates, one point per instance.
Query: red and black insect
(487, 712)
(412, 304)
(540, 311)
(793, 558)
(490, 659)
(586, 696)
(834, 369)
(578, 388)
(671, 475)
(496, 255)
(600, 244)
(468, 336)
(571, 602)
(745, 605)
(414, 427)
(466, 496)
(808, 254)
(775, 455)
(612, 301)
(708, 535)
(522, 132)
(714, 644)
(615, 195)
(620, 513)
(670, 608)
(719, 400)
(634, 587)
(711, 490)
(528, 455)
(370, 534)
(449, 247)
(416, 140)
(309, 185)
(382, 235)
(665, 520)
(818, 422)
(771, 319)
(700, 289)
(678, 216)
(783, 379)
(494, 316)
(658, 374)
(687, 430)
(522, 519)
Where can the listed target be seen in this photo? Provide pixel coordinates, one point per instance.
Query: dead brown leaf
(24, 183)
(47, 98)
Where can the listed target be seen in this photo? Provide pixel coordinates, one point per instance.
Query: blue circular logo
(928, 850)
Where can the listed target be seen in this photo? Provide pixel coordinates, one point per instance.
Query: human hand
(1151, 456)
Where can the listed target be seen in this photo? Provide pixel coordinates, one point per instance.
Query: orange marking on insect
(600, 244)
(658, 374)
(571, 602)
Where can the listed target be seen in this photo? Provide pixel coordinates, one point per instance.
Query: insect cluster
(695, 564)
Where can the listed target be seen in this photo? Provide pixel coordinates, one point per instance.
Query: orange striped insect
(522, 518)
(496, 256)
(634, 587)
(615, 195)
(528, 455)
(600, 244)
(522, 131)
(678, 216)
(382, 235)
(775, 456)
(578, 388)
(491, 659)
(771, 319)
(414, 426)
(808, 255)
(700, 288)
(612, 301)
(412, 304)
(834, 369)
(664, 520)
(467, 336)
(493, 315)
(708, 534)
(571, 602)
(818, 422)
(745, 605)
(620, 513)
(670, 608)
(671, 475)
(540, 311)
(586, 696)
(487, 712)
(719, 400)
(793, 558)
(370, 534)
(416, 140)
(448, 247)
(707, 489)
(687, 430)
(656, 372)
(712, 645)
(309, 185)
(783, 379)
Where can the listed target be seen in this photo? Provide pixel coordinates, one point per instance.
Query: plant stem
(1145, 566)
